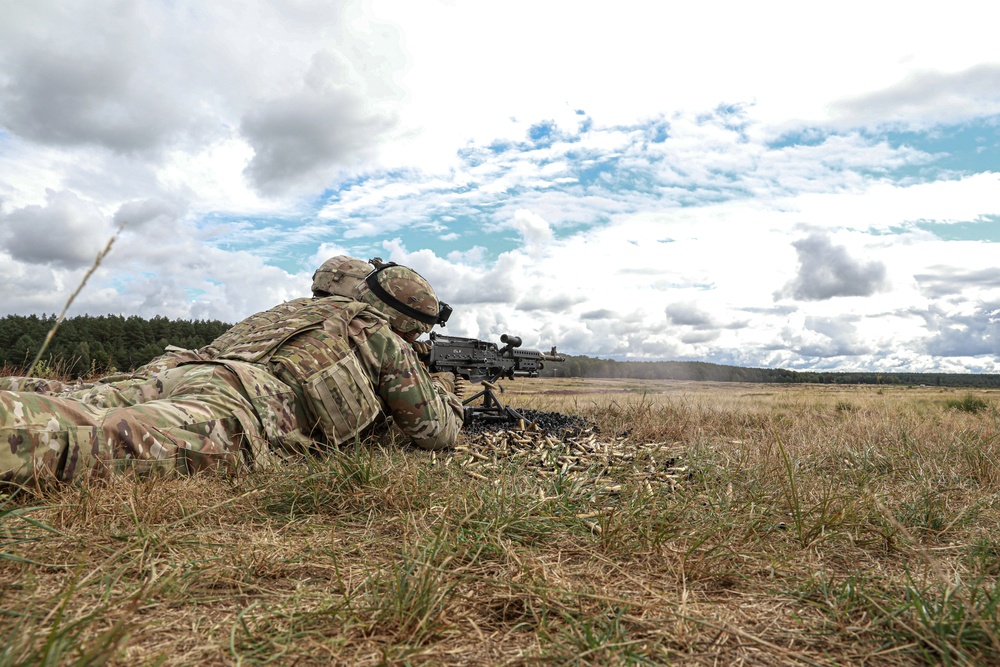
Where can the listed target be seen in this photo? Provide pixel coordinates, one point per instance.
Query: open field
(701, 524)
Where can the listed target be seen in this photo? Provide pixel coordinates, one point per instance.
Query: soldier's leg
(205, 423)
(40, 385)
(42, 437)
(125, 390)
(146, 383)
(143, 384)
(121, 393)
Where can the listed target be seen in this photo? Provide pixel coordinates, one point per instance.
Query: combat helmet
(404, 298)
(340, 276)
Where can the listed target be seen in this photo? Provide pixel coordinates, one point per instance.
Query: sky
(812, 186)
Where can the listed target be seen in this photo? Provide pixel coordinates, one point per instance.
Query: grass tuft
(968, 403)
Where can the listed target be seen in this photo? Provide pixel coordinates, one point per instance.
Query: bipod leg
(492, 408)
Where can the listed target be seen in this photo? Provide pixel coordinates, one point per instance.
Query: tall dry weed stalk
(62, 316)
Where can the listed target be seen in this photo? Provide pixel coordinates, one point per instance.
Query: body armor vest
(306, 344)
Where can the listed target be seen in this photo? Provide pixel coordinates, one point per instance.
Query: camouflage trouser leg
(137, 386)
(204, 422)
(125, 392)
(128, 390)
(40, 385)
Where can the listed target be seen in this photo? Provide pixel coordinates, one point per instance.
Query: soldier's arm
(421, 407)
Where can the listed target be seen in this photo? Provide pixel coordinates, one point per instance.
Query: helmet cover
(407, 300)
(340, 276)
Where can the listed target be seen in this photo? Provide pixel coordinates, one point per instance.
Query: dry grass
(804, 525)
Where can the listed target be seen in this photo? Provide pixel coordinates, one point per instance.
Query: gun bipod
(491, 409)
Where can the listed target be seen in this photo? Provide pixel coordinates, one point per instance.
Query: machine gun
(483, 362)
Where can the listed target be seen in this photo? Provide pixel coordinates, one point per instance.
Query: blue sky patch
(986, 229)
(658, 132)
(968, 148)
(542, 133)
(810, 136)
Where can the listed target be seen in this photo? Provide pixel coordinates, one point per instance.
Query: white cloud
(927, 98)
(298, 139)
(688, 313)
(66, 232)
(605, 199)
(534, 231)
(159, 212)
(827, 271)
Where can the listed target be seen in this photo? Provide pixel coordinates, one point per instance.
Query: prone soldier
(307, 373)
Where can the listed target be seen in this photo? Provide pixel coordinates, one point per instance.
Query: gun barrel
(553, 355)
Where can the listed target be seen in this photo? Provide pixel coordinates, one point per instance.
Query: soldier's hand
(421, 347)
(446, 380)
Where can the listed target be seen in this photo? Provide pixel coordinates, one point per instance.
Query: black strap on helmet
(444, 310)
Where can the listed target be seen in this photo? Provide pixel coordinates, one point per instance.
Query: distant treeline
(583, 366)
(87, 344)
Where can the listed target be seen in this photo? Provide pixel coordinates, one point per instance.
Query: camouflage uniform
(305, 373)
(174, 356)
(40, 385)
